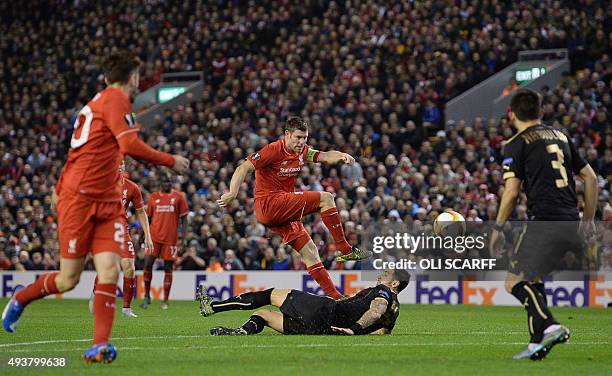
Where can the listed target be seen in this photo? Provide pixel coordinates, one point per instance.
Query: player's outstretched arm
(333, 157)
(132, 145)
(590, 192)
(377, 309)
(508, 202)
(590, 201)
(141, 216)
(237, 179)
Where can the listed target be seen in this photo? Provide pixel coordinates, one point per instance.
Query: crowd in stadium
(372, 80)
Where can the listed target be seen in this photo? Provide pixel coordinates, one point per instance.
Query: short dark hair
(403, 277)
(526, 105)
(296, 123)
(119, 66)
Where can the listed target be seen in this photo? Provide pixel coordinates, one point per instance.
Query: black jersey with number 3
(545, 159)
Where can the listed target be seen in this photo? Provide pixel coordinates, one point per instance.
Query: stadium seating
(372, 79)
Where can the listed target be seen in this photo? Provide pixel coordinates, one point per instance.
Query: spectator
(5, 263)
(231, 262)
(267, 263)
(190, 259)
(250, 263)
(24, 260)
(37, 261)
(282, 260)
(212, 250)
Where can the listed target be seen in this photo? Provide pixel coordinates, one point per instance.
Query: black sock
(246, 301)
(255, 325)
(538, 314)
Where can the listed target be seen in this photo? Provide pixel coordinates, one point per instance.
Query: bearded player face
(296, 140)
(133, 84)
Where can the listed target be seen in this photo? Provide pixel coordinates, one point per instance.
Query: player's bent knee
(66, 282)
(278, 296)
(108, 275)
(127, 266)
(309, 256)
(263, 313)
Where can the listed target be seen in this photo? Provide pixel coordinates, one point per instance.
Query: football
(449, 223)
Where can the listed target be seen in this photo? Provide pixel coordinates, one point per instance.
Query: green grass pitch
(427, 340)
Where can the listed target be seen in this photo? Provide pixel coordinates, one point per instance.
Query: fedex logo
(7, 285)
(592, 292)
(237, 285)
(464, 291)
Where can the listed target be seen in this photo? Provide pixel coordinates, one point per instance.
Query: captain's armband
(312, 156)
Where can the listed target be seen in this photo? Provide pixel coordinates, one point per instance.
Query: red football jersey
(91, 168)
(166, 209)
(277, 168)
(130, 193)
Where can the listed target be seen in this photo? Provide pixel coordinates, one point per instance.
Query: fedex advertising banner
(590, 291)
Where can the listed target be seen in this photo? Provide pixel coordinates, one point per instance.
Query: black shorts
(542, 247)
(305, 313)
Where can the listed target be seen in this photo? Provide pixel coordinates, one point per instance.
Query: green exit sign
(164, 94)
(529, 74)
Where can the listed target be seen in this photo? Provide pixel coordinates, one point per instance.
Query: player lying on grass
(281, 209)
(371, 311)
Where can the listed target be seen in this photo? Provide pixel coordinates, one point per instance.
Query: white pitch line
(6, 345)
(312, 345)
(412, 334)
(194, 336)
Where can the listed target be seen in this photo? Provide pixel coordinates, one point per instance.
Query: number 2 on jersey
(558, 164)
(77, 142)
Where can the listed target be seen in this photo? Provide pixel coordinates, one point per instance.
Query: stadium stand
(372, 77)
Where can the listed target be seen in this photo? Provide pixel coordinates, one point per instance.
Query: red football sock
(167, 284)
(128, 291)
(148, 276)
(104, 311)
(331, 218)
(43, 286)
(319, 274)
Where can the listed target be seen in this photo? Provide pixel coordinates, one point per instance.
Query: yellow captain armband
(312, 156)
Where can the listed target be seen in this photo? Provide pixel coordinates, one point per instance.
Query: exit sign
(164, 94)
(529, 74)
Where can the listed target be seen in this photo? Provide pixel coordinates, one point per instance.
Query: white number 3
(76, 143)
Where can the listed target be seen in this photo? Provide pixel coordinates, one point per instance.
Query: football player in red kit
(281, 209)
(168, 209)
(130, 194)
(88, 201)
